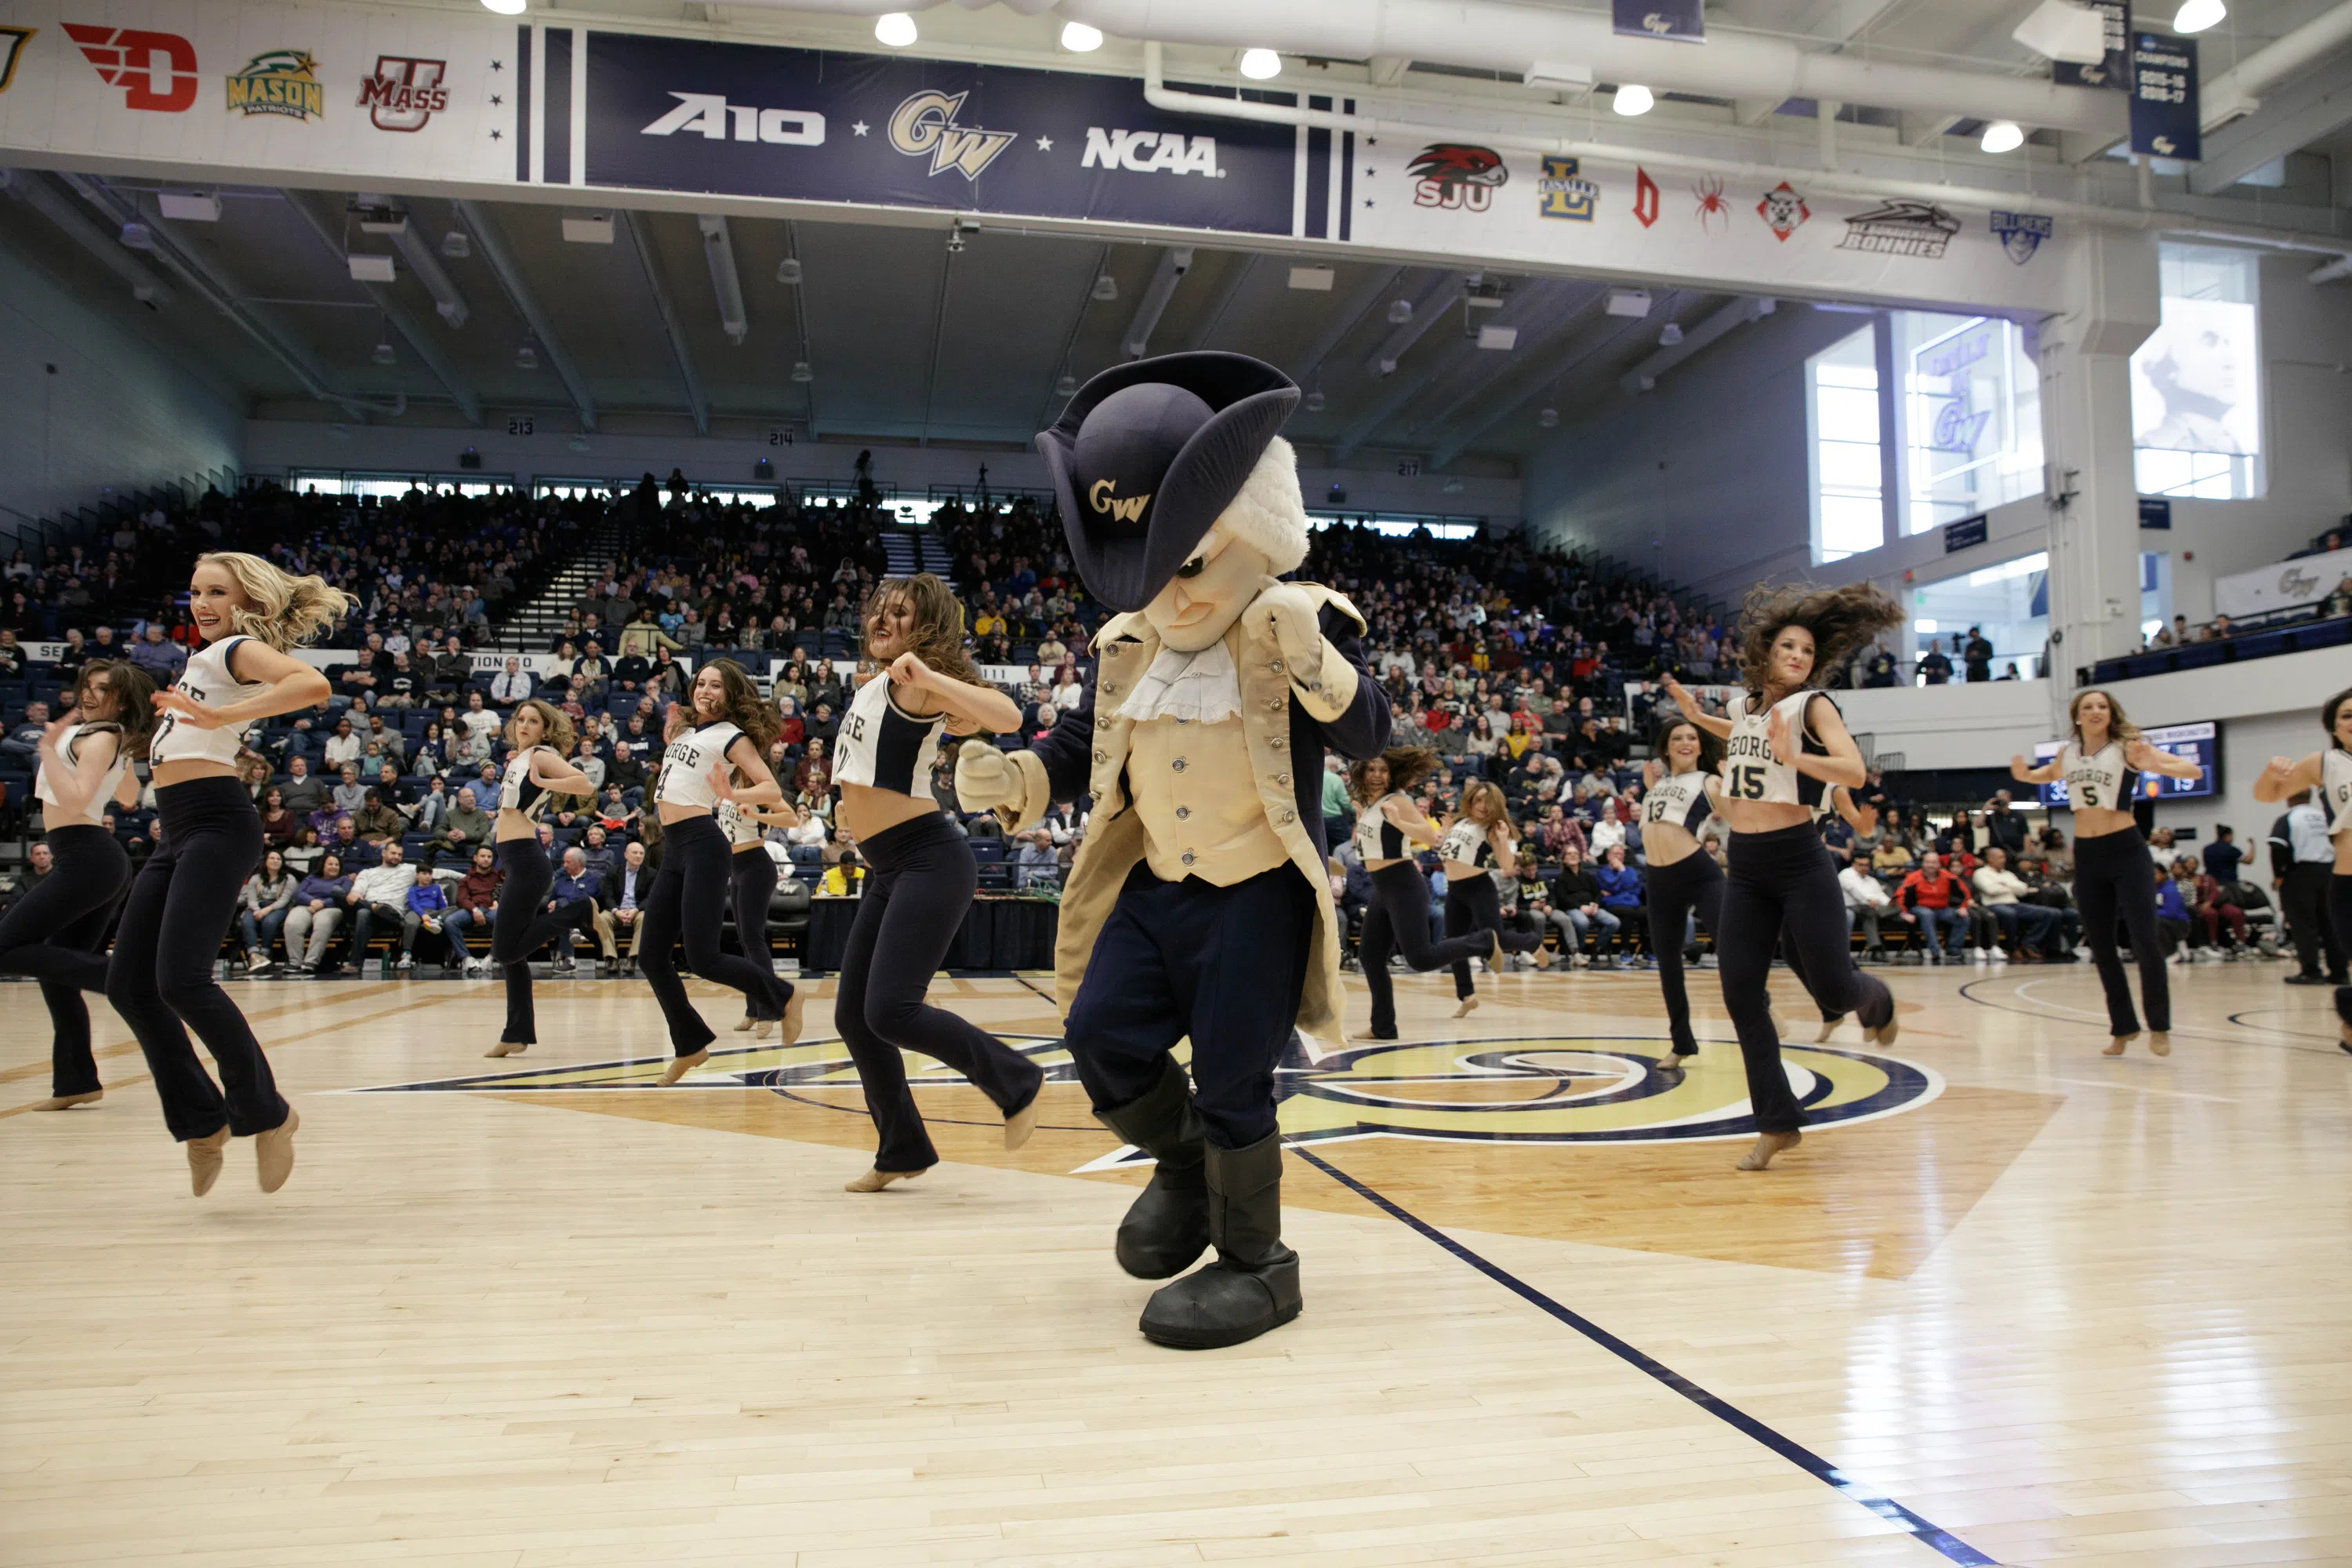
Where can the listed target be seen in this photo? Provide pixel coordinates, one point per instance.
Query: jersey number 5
(2091, 796)
(1747, 782)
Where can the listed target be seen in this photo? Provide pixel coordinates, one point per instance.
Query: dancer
(2328, 770)
(752, 886)
(1479, 842)
(208, 840)
(56, 932)
(1678, 795)
(1200, 906)
(1786, 745)
(2113, 878)
(923, 875)
(1388, 827)
(722, 729)
(539, 739)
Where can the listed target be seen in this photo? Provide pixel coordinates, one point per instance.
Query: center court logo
(278, 81)
(1574, 1089)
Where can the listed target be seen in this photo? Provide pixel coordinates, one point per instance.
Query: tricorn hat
(1148, 454)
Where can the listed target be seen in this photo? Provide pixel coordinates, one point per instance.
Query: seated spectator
(1865, 900)
(1621, 894)
(1034, 862)
(349, 794)
(380, 893)
(426, 906)
(319, 909)
(1940, 901)
(2209, 908)
(1935, 668)
(378, 822)
(467, 825)
(2025, 927)
(510, 685)
(473, 903)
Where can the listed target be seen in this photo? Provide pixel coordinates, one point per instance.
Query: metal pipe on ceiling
(447, 298)
(2239, 89)
(420, 341)
(718, 250)
(28, 188)
(671, 323)
(1423, 312)
(494, 250)
(1174, 262)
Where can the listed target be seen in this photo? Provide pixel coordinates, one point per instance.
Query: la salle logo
(278, 81)
(924, 125)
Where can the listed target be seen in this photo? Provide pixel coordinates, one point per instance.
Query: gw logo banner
(925, 124)
(1169, 150)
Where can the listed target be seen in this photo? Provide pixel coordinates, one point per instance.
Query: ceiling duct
(719, 250)
(1174, 262)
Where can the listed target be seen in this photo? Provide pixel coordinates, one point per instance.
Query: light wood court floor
(2057, 1306)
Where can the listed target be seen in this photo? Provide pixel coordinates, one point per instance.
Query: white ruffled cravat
(1200, 688)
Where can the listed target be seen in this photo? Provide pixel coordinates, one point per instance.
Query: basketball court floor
(2011, 1301)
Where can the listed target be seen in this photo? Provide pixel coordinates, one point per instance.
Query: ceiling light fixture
(1631, 99)
(1068, 387)
(1106, 287)
(1400, 312)
(1549, 418)
(2002, 136)
(894, 28)
(801, 371)
(1259, 65)
(1081, 39)
(138, 236)
(2196, 16)
(526, 358)
(788, 272)
(383, 354)
(1315, 401)
(1670, 335)
(506, 8)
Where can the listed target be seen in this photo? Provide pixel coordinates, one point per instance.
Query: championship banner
(2113, 72)
(2165, 111)
(462, 102)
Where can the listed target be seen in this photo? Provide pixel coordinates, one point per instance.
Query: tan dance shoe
(273, 1151)
(507, 1049)
(874, 1180)
(68, 1101)
(1768, 1144)
(2114, 1047)
(1022, 1123)
(795, 1010)
(1829, 1027)
(204, 1156)
(1468, 1006)
(744, 1024)
(2160, 1042)
(681, 1066)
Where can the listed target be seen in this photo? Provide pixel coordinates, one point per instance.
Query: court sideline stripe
(1942, 1541)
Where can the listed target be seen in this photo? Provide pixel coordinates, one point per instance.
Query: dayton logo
(1169, 151)
(924, 125)
(279, 81)
(1902, 229)
(12, 40)
(1783, 211)
(2021, 234)
(709, 115)
(1645, 197)
(157, 72)
(1534, 1092)
(403, 93)
(1456, 176)
(1565, 195)
(1117, 508)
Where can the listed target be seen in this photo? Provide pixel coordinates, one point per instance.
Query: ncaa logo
(404, 94)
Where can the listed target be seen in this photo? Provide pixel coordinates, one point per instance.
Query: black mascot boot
(1167, 1227)
(1254, 1284)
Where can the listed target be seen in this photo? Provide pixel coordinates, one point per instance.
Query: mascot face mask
(1193, 612)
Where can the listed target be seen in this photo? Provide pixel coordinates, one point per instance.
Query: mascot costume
(1200, 905)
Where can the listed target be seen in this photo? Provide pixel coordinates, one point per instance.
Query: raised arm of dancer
(1407, 819)
(1719, 728)
(293, 685)
(1506, 853)
(2048, 772)
(552, 773)
(2283, 778)
(970, 708)
(762, 790)
(2149, 759)
(1842, 765)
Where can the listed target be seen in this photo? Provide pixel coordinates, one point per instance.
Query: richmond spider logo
(1456, 176)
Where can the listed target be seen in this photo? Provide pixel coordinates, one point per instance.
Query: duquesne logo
(403, 93)
(157, 72)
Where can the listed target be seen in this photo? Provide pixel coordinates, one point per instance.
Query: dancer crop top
(1378, 838)
(207, 679)
(2100, 782)
(1750, 771)
(101, 803)
(1466, 842)
(740, 825)
(518, 791)
(1679, 800)
(685, 778)
(2335, 788)
(883, 746)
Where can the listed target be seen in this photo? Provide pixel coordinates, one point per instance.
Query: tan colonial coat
(1115, 836)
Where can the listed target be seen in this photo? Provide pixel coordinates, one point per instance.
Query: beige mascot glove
(986, 780)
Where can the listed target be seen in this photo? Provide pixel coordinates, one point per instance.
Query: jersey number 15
(1747, 782)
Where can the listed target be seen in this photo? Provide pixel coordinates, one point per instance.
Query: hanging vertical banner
(2115, 71)
(1679, 21)
(2164, 108)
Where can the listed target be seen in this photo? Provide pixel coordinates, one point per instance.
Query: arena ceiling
(962, 336)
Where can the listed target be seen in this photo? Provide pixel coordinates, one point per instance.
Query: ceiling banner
(1680, 21)
(2164, 98)
(466, 103)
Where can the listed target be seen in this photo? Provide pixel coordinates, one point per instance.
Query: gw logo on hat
(1125, 509)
